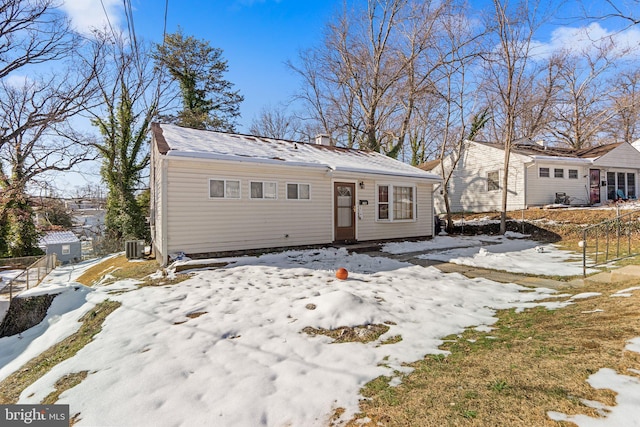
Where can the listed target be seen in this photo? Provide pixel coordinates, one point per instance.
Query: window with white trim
(263, 190)
(395, 203)
(296, 191)
(66, 249)
(224, 189)
(543, 173)
(558, 173)
(573, 173)
(493, 181)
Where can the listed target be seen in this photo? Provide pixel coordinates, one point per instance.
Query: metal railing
(611, 240)
(32, 275)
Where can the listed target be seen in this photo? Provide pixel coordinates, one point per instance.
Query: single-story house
(539, 175)
(64, 244)
(215, 192)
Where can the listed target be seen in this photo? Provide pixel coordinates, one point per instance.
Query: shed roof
(58, 237)
(176, 141)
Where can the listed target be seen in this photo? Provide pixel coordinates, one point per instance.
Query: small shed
(64, 244)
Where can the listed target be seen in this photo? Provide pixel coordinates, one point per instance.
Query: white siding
(186, 219)
(198, 224)
(370, 229)
(542, 191)
(623, 156)
(468, 185)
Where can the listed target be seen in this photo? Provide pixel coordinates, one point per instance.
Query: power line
(128, 12)
(104, 9)
(166, 11)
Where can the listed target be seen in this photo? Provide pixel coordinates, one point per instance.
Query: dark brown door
(344, 202)
(594, 186)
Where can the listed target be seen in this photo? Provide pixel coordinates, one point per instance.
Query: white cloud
(87, 15)
(588, 39)
(16, 81)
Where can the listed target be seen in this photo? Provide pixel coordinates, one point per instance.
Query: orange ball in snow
(342, 273)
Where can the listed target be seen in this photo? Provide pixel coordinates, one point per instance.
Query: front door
(594, 186)
(344, 211)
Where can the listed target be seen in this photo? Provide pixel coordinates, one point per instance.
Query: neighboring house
(214, 192)
(540, 175)
(64, 244)
(636, 144)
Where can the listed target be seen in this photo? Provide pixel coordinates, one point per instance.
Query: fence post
(584, 253)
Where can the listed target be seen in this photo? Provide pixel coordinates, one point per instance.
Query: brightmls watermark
(34, 415)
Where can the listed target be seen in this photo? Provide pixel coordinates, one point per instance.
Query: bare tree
(581, 111)
(613, 9)
(624, 99)
(32, 33)
(34, 110)
(373, 70)
(509, 67)
(458, 97)
(275, 122)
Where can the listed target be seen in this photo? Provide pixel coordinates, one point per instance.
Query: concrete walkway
(630, 273)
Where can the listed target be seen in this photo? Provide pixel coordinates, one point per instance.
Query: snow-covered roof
(176, 141)
(58, 237)
(552, 153)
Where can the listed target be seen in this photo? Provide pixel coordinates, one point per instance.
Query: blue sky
(259, 36)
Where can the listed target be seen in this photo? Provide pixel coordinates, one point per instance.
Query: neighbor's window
(493, 181)
(631, 185)
(263, 190)
(383, 202)
(558, 173)
(573, 173)
(66, 249)
(544, 172)
(401, 198)
(298, 191)
(403, 202)
(224, 189)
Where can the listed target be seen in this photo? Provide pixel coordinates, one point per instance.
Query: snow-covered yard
(225, 347)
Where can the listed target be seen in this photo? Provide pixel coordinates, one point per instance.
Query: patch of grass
(65, 383)
(363, 334)
(539, 361)
(381, 389)
(12, 386)
(469, 414)
(392, 340)
(498, 386)
(119, 268)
